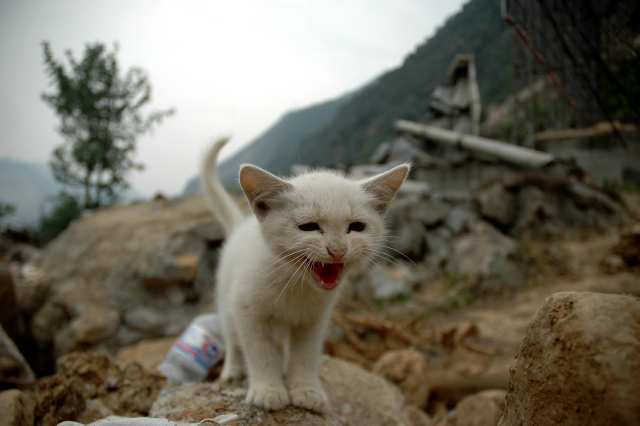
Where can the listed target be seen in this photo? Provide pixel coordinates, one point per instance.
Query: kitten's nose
(336, 255)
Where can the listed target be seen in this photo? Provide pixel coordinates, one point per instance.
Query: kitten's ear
(261, 188)
(384, 186)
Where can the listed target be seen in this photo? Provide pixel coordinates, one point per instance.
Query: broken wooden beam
(507, 152)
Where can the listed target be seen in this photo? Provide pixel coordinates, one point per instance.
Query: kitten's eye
(310, 226)
(356, 226)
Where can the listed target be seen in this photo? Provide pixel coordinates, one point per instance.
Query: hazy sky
(228, 67)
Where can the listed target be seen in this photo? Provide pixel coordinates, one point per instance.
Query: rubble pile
(123, 274)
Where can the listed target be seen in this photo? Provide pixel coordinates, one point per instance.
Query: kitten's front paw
(231, 375)
(310, 397)
(268, 397)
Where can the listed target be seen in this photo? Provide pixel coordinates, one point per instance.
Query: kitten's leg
(233, 368)
(303, 375)
(264, 362)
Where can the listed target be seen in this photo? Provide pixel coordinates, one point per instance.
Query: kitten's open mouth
(327, 274)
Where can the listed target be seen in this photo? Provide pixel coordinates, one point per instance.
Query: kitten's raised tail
(223, 207)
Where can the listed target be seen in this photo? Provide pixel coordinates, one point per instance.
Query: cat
(280, 271)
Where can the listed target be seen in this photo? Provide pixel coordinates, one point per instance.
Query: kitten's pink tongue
(328, 274)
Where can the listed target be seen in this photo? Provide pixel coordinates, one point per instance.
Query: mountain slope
(348, 129)
(276, 148)
(367, 119)
(26, 186)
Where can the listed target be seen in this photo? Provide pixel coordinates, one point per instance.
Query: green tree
(6, 210)
(64, 209)
(102, 113)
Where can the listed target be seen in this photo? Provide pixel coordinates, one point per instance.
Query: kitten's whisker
(272, 271)
(284, 288)
(404, 256)
(286, 258)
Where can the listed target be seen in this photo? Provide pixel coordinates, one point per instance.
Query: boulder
(486, 256)
(31, 287)
(480, 409)
(356, 397)
(89, 386)
(411, 218)
(406, 368)
(579, 363)
(16, 408)
(121, 274)
(497, 204)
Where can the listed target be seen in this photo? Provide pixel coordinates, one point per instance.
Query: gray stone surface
(356, 398)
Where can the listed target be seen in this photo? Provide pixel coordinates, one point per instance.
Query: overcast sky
(228, 67)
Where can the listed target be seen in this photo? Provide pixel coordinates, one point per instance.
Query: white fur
(273, 311)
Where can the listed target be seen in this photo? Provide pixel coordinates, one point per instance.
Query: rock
(406, 368)
(497, 204)
(628, 247)
(538, 212)
(438, 246)
(32, 288)
(57, 399)
(356, 398)
(16, 408)
(148, 353)
(410, 218)
(122, 258)
(458, 219)
(480, 409)
(430, 213)
(48, 321)
(408, 233)
(95, 325)
(149, 321)
(579, 363)
(390, 282)
(13, 367)
(485, 255)
(89, 385)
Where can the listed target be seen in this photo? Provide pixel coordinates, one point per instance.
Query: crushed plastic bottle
(197, 349)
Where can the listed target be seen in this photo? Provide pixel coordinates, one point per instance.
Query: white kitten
(279, 273)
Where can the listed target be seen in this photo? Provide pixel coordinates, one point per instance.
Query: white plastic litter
(196, 350)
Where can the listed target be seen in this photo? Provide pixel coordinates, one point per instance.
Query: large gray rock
(579, 363)
(497, 204)
(485, 255)
(356, 397)
(411, 218)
